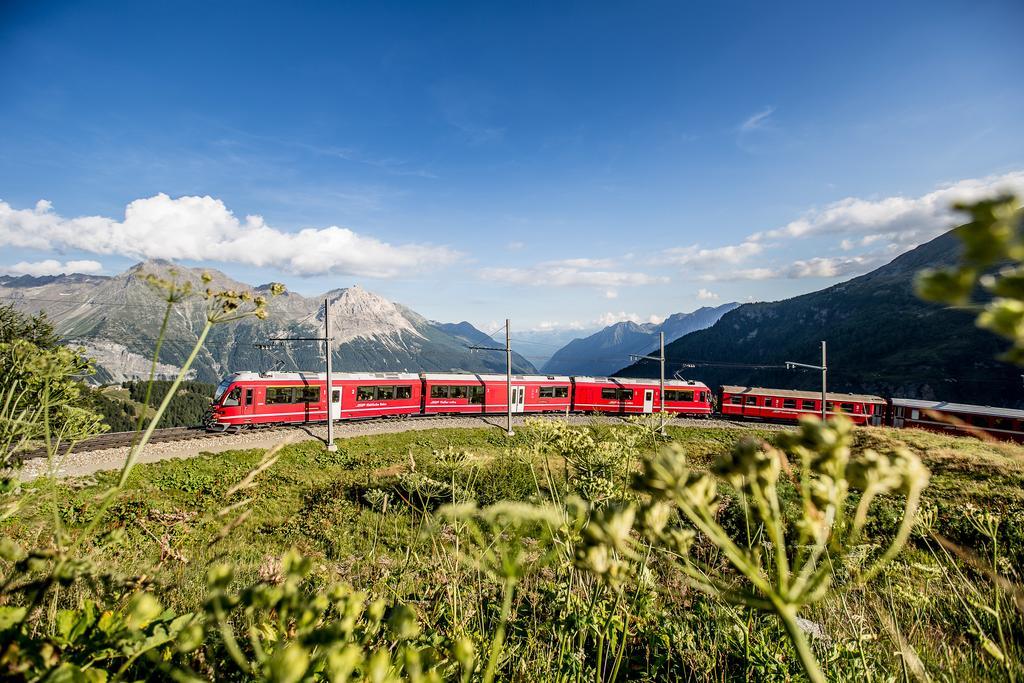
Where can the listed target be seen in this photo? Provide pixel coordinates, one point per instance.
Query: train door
(335, 403)
(648, 400)
(518, 399)
(248, 402)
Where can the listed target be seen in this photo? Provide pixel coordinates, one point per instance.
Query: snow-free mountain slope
(117, 319)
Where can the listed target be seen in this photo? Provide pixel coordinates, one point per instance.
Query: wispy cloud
(544, 275)
(757, 120)
(695, 255)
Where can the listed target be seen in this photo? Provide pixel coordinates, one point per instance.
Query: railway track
(123, 439)
(171, 434)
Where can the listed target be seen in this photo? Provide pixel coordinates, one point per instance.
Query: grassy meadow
(371, 517)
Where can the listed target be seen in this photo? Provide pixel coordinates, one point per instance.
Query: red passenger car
(477, 394)
(637, 396)
(790, 406)
(959, 418)
(250, 398)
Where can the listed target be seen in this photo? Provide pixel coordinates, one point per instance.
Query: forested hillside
(881, 339)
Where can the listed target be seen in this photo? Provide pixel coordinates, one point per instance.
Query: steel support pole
(508, 375)
(331, 446)
(661, 397)
(824, 383)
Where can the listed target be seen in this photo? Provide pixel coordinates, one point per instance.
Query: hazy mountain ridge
(116, 318)
(608, 349)
(881, 339)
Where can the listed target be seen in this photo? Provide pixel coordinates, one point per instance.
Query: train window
(847, 407)
(830, 407)
(678, 395)
(403, 392)
(439, 391)
(807, 405)
(915, 414)
(459, 392)
(386, 393)
(751, 400)
(546, 392)
(307, 394)
(365, 393)
(736, 400)
(233, 398)
(789, 403)
(561, 392)
(277, 395)
(476, 395)
(617, 394)
(248, 397)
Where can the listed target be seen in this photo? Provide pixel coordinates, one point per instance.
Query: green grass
(165, 527)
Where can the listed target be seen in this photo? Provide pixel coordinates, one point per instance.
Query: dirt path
(81, 464)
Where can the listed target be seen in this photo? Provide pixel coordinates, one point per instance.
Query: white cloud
(819, 266)
(611, 318)
(611, 294)
(203, 229)
(52, 267)
(581, 263)
(903, 220)
(565, 276)
(555, 325)
(706, 294)
(757, 120)
(694, 255)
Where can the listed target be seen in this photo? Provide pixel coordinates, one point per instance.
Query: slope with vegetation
(882, 339)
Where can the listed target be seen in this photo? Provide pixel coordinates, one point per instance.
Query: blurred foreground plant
(786, 561)
(993, 237)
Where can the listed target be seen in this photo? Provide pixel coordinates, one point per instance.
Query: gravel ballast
(85, 463)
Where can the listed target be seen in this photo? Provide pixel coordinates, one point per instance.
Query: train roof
(336, 376)
(674, 383)
(789, 393)
(493, 377)
(968, 409)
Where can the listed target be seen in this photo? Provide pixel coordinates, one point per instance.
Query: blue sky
(562, 164)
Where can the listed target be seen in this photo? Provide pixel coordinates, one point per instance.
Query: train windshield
(221, 388)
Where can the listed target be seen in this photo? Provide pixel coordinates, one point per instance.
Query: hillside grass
(165, 530)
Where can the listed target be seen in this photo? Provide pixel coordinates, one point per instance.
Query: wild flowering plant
(785, 562)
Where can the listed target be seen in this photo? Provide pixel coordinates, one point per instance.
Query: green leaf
(11, 616)
(289, 664)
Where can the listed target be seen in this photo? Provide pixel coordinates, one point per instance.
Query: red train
(249, 398)
(783, 405)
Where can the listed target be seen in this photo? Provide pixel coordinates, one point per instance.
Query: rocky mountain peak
(366, 315)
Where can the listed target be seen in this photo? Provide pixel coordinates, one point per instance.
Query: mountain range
(117, 319)
(608, 349)
(881, 337)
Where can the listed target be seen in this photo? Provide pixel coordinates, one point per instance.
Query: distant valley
(607, 350)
